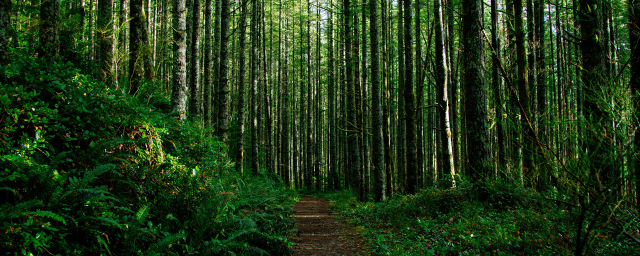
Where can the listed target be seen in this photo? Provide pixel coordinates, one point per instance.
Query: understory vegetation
(89, 170)
(488, 219)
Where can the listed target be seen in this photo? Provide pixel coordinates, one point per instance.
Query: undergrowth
(486, 219)
(88, 170)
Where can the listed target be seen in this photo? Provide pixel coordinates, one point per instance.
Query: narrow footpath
(320, 232)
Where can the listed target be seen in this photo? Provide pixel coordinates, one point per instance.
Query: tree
(409, 101)
(49, 19)
(5, 9)
(105, 38)
(523, 87)
(207, 86)
(377, 145)
(254, 86)
(241, 87)
(137, 45)
(474, 87)
(495, 85)
(194, 83)
(179, 88)
(446, 143)
(223, 80)
(634, 35)
(593, 68)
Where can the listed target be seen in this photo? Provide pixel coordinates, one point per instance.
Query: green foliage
(485, 219)
(87, 170)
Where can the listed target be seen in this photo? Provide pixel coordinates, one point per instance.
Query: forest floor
(320, 232)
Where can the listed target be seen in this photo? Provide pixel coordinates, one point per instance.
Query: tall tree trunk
(122, 40)
(208, 64)
(241, 87)
(496, 81)
(409, 100)
(597, 145)
(308, 170)
(254, 86)
(215, 97)
(194, 83)
(541, 87)
(146, 47)
(334, 179)
(446, 143)
(377, 144)
(523, 90)
(49, 19)
(386, 99)
(352, 139)
(634, 35)
(179, 89)
(136, 45)
(477, 128)
(105, 38)
(401, 150)
(5, 15)
(223, 80)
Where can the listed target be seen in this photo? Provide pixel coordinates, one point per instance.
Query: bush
(89, 170)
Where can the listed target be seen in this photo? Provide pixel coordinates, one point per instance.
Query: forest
(435, 127)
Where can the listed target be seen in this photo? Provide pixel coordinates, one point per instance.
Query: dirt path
(320, 233)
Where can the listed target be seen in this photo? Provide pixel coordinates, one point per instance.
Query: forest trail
(320, 232)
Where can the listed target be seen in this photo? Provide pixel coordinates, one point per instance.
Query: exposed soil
(320, 232)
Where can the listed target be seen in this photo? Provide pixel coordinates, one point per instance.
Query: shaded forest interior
(506, 99)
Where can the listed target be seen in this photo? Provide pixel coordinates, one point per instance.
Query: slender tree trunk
(386, 99)
(241, 87)
(523, 90)
(496, 81)
(105, 38)
(409, 100)
(136, 46)
(597, 145)
(446, 143)
(194, 83)
(541, 88)
(5, 15)
(477, 128)
(254, 87)
(122, 37)
(401, 119)
(49, 19)
(208, 65)
(634, 35)
(215, 97)
(334, 180)
(223, 80)
(377, 145)
(179, 89)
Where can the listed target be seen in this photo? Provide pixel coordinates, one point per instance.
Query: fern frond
(45, 214)
(164, 244)
(142, 213)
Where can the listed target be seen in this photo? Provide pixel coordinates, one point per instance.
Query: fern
(164, 244)
(143, 212)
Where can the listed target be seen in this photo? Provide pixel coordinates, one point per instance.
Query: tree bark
(179, 89)
(409, 100)
(377, 145)
(634, 35)
(49, 19)
(446, 143)
(476, 127)
(241, 87)
(207, 86)
(254, 87)
(194, 84)
(105, 38)
(223, 80)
